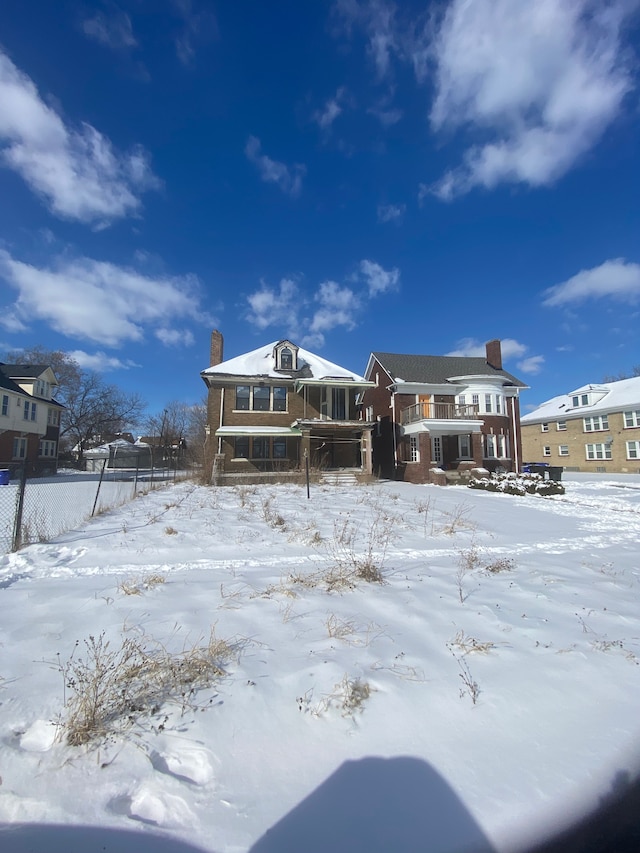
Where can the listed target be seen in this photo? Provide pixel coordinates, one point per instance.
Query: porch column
(366, 448)
(305, 446)
(476, 449)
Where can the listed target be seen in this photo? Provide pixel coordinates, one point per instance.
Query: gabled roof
(24, 371)
(613, 397)
(259, 363)
(439, 369)
(9, 385)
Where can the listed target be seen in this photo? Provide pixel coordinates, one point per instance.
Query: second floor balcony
(425, 411)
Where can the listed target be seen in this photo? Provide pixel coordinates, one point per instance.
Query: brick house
(271, 409)
(436, 417)
(594, 428)
(29, 418)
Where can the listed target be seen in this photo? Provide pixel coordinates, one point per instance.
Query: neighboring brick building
(442, 413)
(29, 418)
(269, 408)
(594, 428)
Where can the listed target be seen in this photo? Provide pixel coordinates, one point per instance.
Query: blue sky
(356, 176)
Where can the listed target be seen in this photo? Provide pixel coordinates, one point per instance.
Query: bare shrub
(424, 508)
(502, 564)
(339, 629)
(271, 516)
(471, 687)
(457, 519)
(356, 552)
(136, 586)
(348, 695)
(467, 644)
(113, 689)
(468, 560)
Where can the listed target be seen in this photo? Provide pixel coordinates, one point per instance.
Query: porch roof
(292, 432)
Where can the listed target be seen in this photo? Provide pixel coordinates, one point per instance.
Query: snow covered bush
(518, 484)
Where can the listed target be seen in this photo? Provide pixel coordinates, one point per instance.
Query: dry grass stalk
(468, 644)
(136, 586)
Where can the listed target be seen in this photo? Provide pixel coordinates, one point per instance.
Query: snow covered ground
(483, 695)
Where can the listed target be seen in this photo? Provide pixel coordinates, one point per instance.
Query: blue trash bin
(4, 476)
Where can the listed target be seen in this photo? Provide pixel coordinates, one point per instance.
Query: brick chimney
(217, 343)
(494, 354)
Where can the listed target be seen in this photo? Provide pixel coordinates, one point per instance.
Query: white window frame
(5, 405)
(414, 450)
(498, 404)
(563, 450)
(633, 449)
(596, 423)
(436, 449)
(631, 418)
(561, 426)
(19, 448)
(600, 450)
(546, 450)
(544, 426)
(490, 446)
(580, 400)
(464, 446)
(488, 407)
(47, 449)
(53, 417)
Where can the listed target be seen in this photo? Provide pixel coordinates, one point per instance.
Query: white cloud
(473, 348)
(325, 117)
(376, 18)
(76, 170)
(100, 361)
(378, 279)
(617, 279)
(10, 321)
(391, 212)
(338, 307)
(98, 301)
(175, 337)
(271, 307)
(541, 80)
(289, 179)
(533, 364)
(113, 30)
(198, 25)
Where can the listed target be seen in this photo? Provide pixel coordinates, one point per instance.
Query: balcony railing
(442, 411)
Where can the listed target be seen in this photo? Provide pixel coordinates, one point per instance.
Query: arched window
(286, 359)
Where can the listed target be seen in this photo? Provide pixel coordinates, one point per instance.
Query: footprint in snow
(187, 764)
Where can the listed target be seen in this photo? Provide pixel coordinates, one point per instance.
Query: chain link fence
(39, 509)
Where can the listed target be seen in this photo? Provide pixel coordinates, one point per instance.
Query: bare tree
(179, 431)
(93, 408)
(616, 377)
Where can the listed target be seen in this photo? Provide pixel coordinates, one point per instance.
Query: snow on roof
(260, 362)
(608, 397)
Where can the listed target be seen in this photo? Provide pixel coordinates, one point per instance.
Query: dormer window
(286, 356)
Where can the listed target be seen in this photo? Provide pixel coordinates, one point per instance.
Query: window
(260, 448)
(561, 425)
(436, 449)
(464, 446)
(546, 450)
(29, 411)
(563, 450)
(339, 404)
(19, 448)
(286, 359)
(286, 356)
(580, 400)
(631, 419)
(47, 449)
(369, 413)
(597, 423)
(498, 404)
(462, 400)
(490, 447)
(5, 404)
(598, 451)
(414, 453)
(42, 389)
(261, 398)
(241, 449)
(502, 446)
(475, 399)
(53, 417)
(633, 450)
(487, 403)
(544, 427)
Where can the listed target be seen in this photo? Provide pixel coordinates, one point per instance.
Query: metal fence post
(95, 503)
(17, 523)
